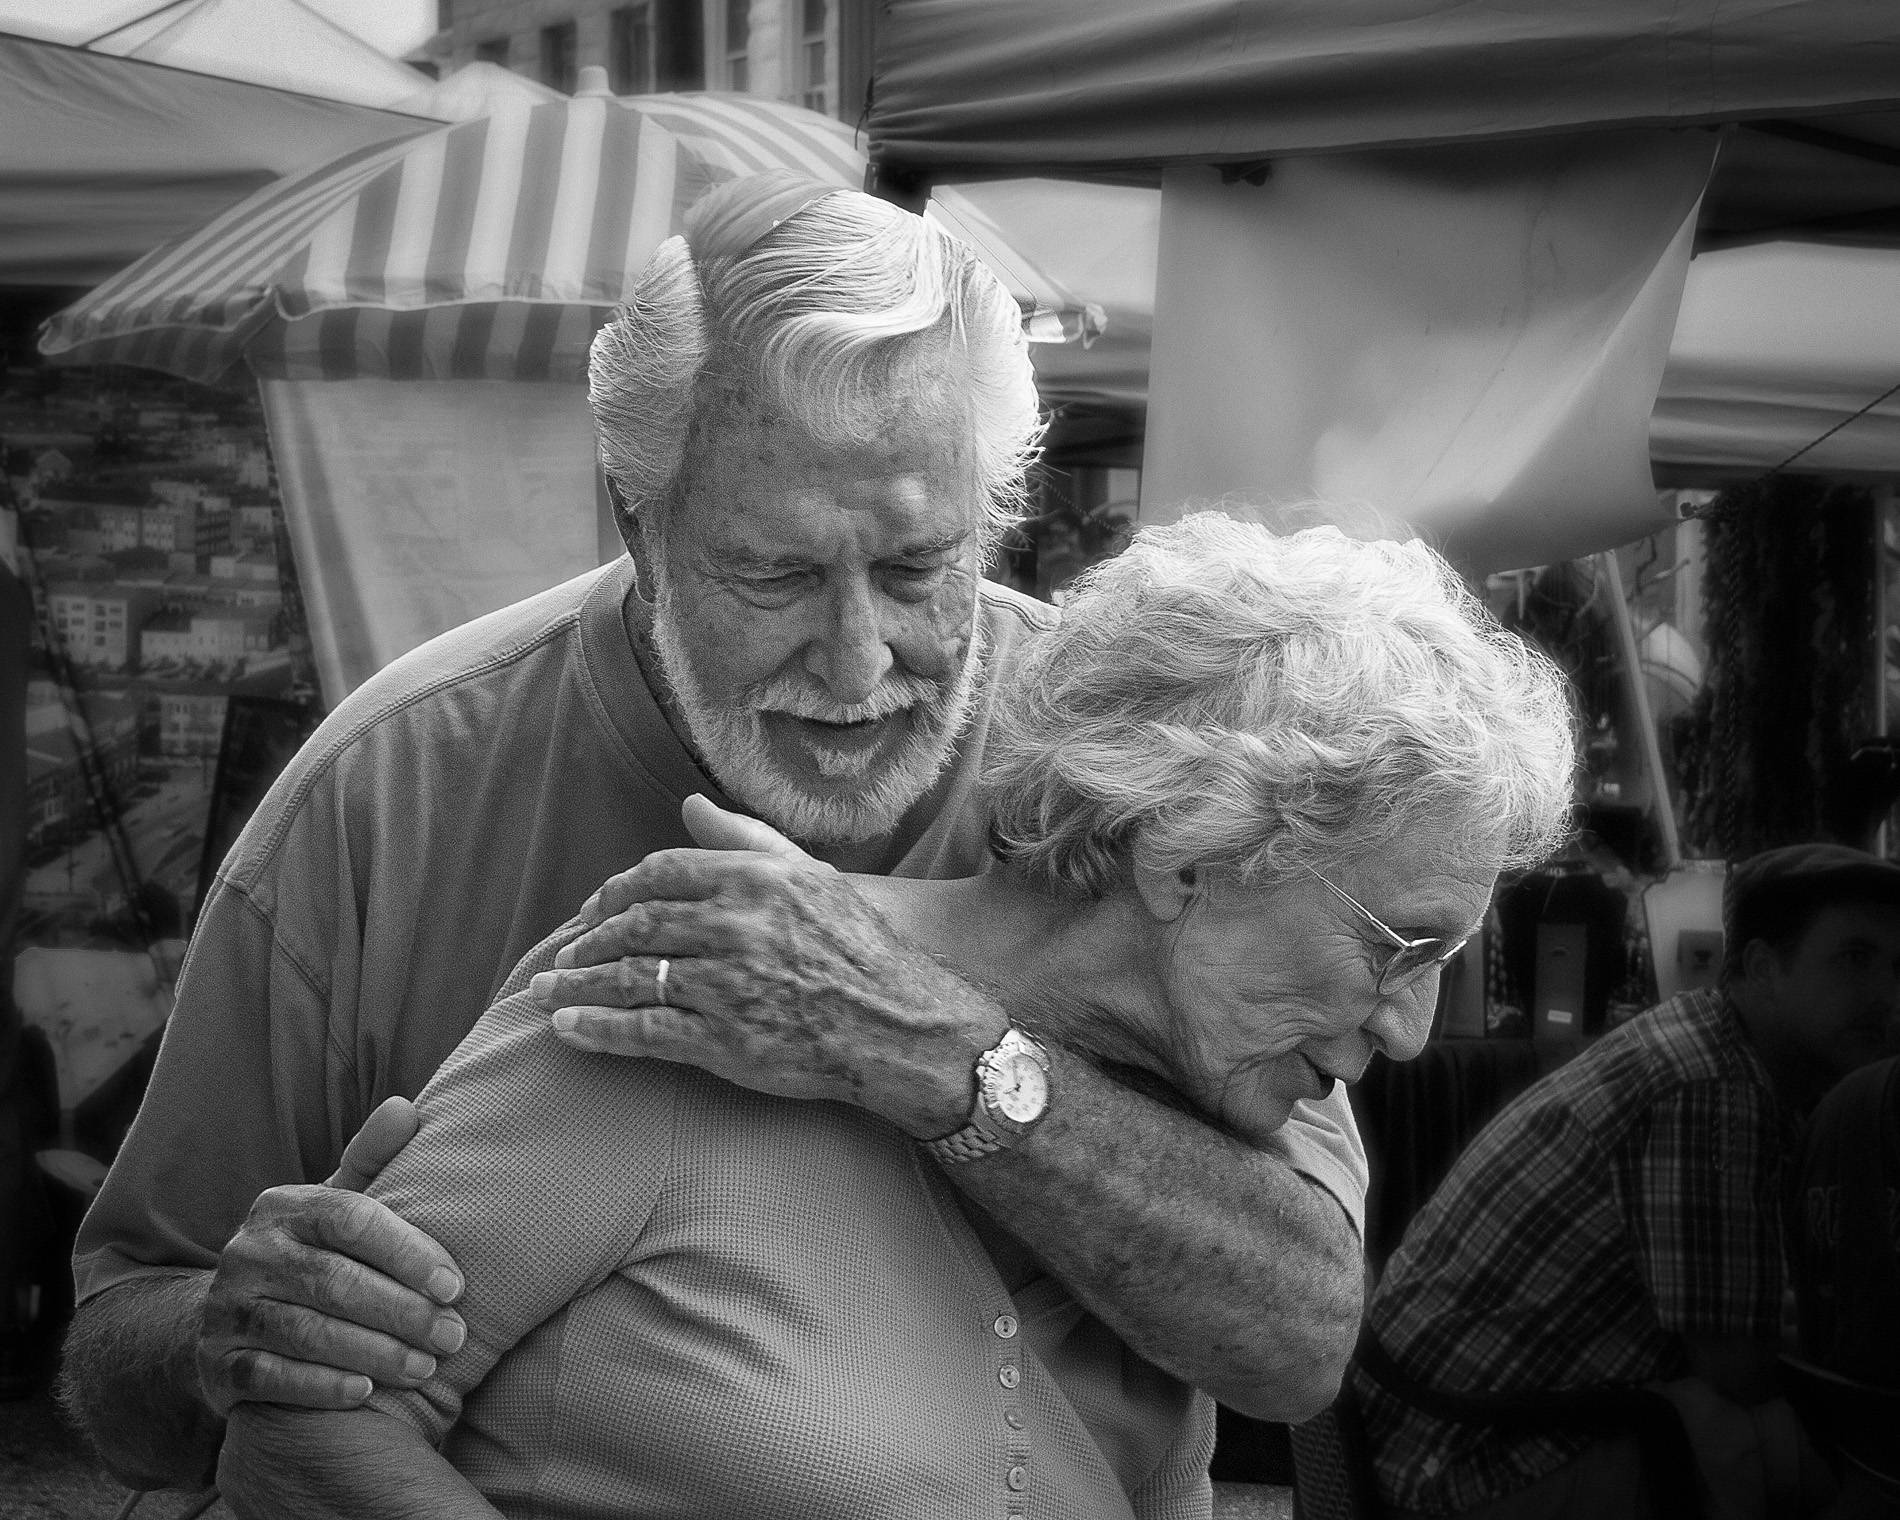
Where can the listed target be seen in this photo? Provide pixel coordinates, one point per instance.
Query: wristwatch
(1012, 1095)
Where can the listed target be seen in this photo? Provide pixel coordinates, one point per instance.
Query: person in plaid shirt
(1619, 1226)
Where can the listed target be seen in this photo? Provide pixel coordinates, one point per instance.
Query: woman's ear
(1166, 894)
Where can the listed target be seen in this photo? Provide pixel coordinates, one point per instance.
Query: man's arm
(294, 1464)
(1212, 1258)
(320, 1292)
(129, 1379)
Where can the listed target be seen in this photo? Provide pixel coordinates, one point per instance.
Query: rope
(1889, 391)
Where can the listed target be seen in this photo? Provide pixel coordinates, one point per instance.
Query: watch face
(1018, 1088)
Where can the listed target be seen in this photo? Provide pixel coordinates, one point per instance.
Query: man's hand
(780, 977)
(323, 1293)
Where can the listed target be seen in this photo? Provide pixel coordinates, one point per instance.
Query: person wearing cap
(815, 416)
(1844, 1252)
(1845, 1229)
(1618, 1228)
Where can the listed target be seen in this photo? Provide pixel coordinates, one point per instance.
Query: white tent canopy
(1400, 255)
(104, 158)
(476, 89)
(280, 43)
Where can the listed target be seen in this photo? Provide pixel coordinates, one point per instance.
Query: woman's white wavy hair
(851, 317)
(1220, 695)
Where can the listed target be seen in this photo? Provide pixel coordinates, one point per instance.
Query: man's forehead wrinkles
(758, 557)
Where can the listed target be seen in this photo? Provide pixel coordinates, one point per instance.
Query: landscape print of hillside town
(152, 548)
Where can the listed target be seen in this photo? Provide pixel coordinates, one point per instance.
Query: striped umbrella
(489, 249)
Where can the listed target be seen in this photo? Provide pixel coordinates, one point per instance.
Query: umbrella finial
(593, 81)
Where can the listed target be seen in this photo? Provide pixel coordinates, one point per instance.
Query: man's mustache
(898, 693)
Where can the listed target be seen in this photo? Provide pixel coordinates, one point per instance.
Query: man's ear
(1166, 894)
(1759, 960)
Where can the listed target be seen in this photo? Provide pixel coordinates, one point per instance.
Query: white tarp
(396, 537)
(279, 43)
(1775, 346)
(1469, 339)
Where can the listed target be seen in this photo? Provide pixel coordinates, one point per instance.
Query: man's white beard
(733, 742)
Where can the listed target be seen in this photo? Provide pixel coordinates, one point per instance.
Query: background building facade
(814, 53)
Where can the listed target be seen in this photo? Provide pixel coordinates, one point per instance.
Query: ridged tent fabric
(490, 249)
(1245, 109)
(103, 159)
(1127, 87)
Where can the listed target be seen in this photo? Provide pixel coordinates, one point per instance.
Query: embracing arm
(1214, 1259)
(1210, 1257)
(129, 1379)
(300, 1464)
(320, 1291)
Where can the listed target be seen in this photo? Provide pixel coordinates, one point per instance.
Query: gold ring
(659, 982)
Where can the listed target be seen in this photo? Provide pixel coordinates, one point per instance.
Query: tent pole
(1883, 513)
(1611, 579)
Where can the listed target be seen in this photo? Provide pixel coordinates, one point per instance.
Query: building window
(630, 49)
(492, 50)
(659, 45)
(738, 44)
(560, 57)
(814, 55)
(679, 45)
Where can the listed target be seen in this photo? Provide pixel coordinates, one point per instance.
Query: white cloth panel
(417, 505)
(1467, 340)
(1775, 346)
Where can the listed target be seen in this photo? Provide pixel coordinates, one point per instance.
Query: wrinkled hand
(322, 1290)
(781, 978)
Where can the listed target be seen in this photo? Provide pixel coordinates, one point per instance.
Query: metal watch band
(965, 1145)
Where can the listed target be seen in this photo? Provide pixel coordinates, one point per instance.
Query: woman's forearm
(338, 1464)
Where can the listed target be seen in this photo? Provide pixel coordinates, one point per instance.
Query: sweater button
(1010, 1375)
(1017, 1478)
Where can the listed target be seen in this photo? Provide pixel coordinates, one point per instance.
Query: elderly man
(799, 627)
(1619, 1226)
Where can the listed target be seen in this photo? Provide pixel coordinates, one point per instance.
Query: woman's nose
(1400, 1026)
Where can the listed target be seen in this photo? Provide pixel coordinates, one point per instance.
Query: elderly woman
(1247, 802)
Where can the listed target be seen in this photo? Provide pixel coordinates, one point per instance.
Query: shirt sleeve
(247, 1051)
(1707, 1220)
(1321, 1142)
(536, 1168)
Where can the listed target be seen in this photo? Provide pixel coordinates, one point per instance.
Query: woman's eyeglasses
(1410, 958)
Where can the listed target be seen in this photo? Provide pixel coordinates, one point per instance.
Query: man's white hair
(1220, 695)
(850, 317)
